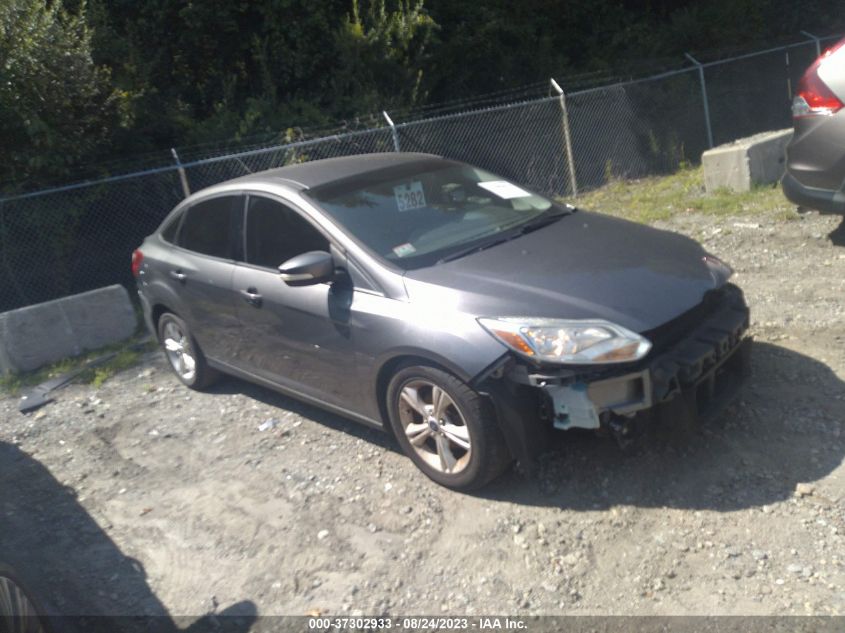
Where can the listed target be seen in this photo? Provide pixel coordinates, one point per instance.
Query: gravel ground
(146, 497)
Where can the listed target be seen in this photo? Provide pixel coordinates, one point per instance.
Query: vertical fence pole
(392, 130)
(567, 139)
(182, 175)
(788, 79)
(703, 97)
(816, 39)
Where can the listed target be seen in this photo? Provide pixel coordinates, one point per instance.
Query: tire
(19, 609)
(466, 426)
(183, 353)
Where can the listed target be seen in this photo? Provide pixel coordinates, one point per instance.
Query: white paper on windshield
(403, 250)
(504, 189)
(409, 196)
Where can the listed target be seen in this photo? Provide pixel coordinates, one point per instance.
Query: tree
(184, 72)
(382, 53)
(224, 69)
(56, 107)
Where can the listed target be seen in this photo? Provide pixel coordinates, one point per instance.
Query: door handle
(178, 275)
(252, 297)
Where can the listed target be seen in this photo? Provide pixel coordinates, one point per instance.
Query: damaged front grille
(703, 347)
(665, 336)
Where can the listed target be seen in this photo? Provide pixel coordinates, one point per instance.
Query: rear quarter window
(171, 228)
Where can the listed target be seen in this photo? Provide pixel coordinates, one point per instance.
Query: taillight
(813, 97)
(137, 260)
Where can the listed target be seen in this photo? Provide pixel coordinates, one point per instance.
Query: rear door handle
(178, 275)
(252, 297)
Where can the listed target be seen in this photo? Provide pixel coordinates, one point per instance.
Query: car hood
(585, 265)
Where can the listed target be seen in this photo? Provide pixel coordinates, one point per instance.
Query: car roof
(329, 170)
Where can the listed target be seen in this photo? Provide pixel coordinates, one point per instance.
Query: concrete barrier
(756, 160)
(43, 333)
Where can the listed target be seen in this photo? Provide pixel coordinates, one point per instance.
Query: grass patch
(128, 355)
(662, 197)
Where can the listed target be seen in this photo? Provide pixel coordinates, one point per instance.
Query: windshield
(418, 214)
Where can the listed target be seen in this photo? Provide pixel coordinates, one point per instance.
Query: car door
(200, 272)
(298, 337)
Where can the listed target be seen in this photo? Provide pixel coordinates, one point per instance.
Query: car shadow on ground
(233, 385)
(73, 570)
(837, 235)
(784, 428)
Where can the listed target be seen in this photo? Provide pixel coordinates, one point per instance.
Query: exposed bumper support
(581, 404)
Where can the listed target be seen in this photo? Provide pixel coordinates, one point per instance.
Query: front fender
(395, 355)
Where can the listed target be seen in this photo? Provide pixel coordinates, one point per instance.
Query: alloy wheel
(435, 426)
(17, 613)
(178, 348)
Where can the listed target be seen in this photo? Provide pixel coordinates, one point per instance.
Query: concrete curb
(44, 333)
(756, 160)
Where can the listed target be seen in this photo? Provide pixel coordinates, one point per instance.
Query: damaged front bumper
(697, 364)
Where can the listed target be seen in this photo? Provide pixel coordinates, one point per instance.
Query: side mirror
(307, 269)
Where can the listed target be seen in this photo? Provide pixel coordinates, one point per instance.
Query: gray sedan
(457, 310)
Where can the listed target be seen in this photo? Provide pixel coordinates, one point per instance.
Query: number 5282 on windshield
(409, 196)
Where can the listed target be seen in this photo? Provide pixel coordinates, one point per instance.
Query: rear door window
(275, 233)
(210, 227)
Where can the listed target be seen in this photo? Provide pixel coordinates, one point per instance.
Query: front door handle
(178, 275)
(252, 297)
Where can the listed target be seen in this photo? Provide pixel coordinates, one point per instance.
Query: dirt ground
(144, 497)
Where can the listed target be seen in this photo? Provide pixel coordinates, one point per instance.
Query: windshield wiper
(544, 219)
(547, 217)
(473, 249)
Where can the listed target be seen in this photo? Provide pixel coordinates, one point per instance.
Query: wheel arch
(406, 358)
(156, 313)
(514, 406)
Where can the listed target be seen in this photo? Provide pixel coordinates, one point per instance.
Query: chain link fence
(78, 237)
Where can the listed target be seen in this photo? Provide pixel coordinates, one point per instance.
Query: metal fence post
(182, 175)
(392, 130)
(788, 78)
(817, 41)
(567, 139)
(704, 97)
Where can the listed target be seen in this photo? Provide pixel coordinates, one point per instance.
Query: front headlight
(574, 342)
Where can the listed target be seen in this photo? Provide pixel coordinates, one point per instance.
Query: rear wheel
(447, 429)
(184, 354)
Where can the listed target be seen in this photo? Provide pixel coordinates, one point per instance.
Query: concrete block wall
(44, 333)
(755, 160)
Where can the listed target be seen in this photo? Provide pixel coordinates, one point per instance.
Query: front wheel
(447, 429)
(19, 613)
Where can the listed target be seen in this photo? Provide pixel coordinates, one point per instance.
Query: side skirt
(287, 391)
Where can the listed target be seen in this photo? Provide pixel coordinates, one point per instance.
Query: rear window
(209, 227)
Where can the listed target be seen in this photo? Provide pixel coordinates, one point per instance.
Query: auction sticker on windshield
(403, 250)
(504, 189)
(409, 196)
